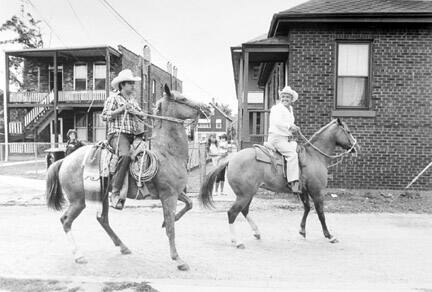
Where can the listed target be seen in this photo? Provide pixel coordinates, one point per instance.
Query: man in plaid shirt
(120, 112)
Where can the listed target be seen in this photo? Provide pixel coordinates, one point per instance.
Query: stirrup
(116, 202)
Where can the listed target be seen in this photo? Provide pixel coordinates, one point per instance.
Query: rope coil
(145, 167)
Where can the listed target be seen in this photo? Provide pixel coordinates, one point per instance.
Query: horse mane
(311, 139)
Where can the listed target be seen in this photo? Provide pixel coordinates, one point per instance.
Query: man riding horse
(281, 132)
(120, 112)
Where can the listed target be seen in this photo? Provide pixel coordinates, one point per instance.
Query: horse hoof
(81, 260)
(241, 246)
(302, 234)
(125, 250)
(183, 267)
(333, 240)
(257, 236)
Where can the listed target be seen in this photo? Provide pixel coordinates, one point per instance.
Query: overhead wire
(120, 17)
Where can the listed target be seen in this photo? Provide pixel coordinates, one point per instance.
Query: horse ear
(339, 122)
(167, 90)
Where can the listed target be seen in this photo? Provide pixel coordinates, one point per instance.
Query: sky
(194, 35)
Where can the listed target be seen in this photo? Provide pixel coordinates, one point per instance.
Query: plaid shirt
(120, 123)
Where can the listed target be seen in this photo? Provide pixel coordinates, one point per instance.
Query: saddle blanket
(100, 162)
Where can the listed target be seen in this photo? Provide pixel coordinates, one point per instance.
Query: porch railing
(26, 97)
(79, 96)
(64, 96)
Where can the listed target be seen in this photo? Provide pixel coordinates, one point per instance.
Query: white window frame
(74, 75)
(94, 76)
(218, 123)
(204, 124)
(368, 81)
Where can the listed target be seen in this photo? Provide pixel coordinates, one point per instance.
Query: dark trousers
(121, 145)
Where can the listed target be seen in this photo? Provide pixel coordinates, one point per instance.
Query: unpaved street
(375, 250)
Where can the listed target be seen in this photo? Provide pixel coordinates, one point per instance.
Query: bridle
(349, 135)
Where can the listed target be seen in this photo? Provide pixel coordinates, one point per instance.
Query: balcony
(85, 96)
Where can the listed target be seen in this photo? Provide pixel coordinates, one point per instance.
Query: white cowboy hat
(124, 75)
(287, 89)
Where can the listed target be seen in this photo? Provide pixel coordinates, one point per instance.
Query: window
(353, 75)
(256, 123)
(99, 76)
(255, 72)
(144, 84)
(80, 77)
(204, 124)
(154, 87)
(218, 124)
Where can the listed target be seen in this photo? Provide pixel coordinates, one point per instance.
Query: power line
(119, 16)
(77, 18)
(46, 22)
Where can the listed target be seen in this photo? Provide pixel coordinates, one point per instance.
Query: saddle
(100, 163)
(268, 154)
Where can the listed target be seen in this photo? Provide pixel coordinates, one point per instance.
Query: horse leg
(235, 209)
(102, 218)
(75, 208)
(169, 205)
(249, 219)
(305, 200)
(319, 207)
(188, 205)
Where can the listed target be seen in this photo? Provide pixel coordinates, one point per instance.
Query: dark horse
(245, 175)
(170, 144)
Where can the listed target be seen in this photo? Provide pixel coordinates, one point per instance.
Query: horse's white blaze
(252, 224)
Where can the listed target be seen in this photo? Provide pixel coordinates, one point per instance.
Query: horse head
(177, 106)
(344, 138)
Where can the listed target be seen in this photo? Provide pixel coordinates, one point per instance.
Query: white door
(59, 131)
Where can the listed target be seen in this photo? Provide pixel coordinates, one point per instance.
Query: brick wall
(396, 144)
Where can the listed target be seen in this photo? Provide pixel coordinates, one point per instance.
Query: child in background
(213, 149)
(223, 152)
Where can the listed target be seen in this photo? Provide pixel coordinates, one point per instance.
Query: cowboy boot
(117, 202)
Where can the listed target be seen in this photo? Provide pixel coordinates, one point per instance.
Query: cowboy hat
(124, 75)
(287, 90)
(70, 132)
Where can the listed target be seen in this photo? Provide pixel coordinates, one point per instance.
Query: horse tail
(206, 191)
(54, 194)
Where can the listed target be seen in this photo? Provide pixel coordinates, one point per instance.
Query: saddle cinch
(268, 154)
(100, 163)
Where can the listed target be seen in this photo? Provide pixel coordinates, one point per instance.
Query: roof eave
(414, 17)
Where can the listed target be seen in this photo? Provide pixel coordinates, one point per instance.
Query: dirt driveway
(380, 251)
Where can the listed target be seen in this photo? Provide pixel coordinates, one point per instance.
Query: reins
(308, 141)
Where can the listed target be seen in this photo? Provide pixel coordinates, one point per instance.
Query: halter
(308, 141)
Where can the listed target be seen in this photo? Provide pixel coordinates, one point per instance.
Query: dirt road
(375, 250)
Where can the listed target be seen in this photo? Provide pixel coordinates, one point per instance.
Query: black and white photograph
(280, 145)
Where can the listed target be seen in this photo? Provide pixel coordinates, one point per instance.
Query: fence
(36, 150)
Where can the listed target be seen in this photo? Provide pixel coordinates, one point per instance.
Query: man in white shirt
(281, 132)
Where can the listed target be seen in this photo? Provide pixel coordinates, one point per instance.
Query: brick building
(368, 62)
(83, 82)
(219, 123)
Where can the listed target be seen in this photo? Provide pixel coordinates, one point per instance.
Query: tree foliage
(26, 32)
(225, 108)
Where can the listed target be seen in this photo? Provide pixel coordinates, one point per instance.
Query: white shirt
(281, 120)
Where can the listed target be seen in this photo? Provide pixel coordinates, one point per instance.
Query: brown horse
(169, 142)
(245, 175)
